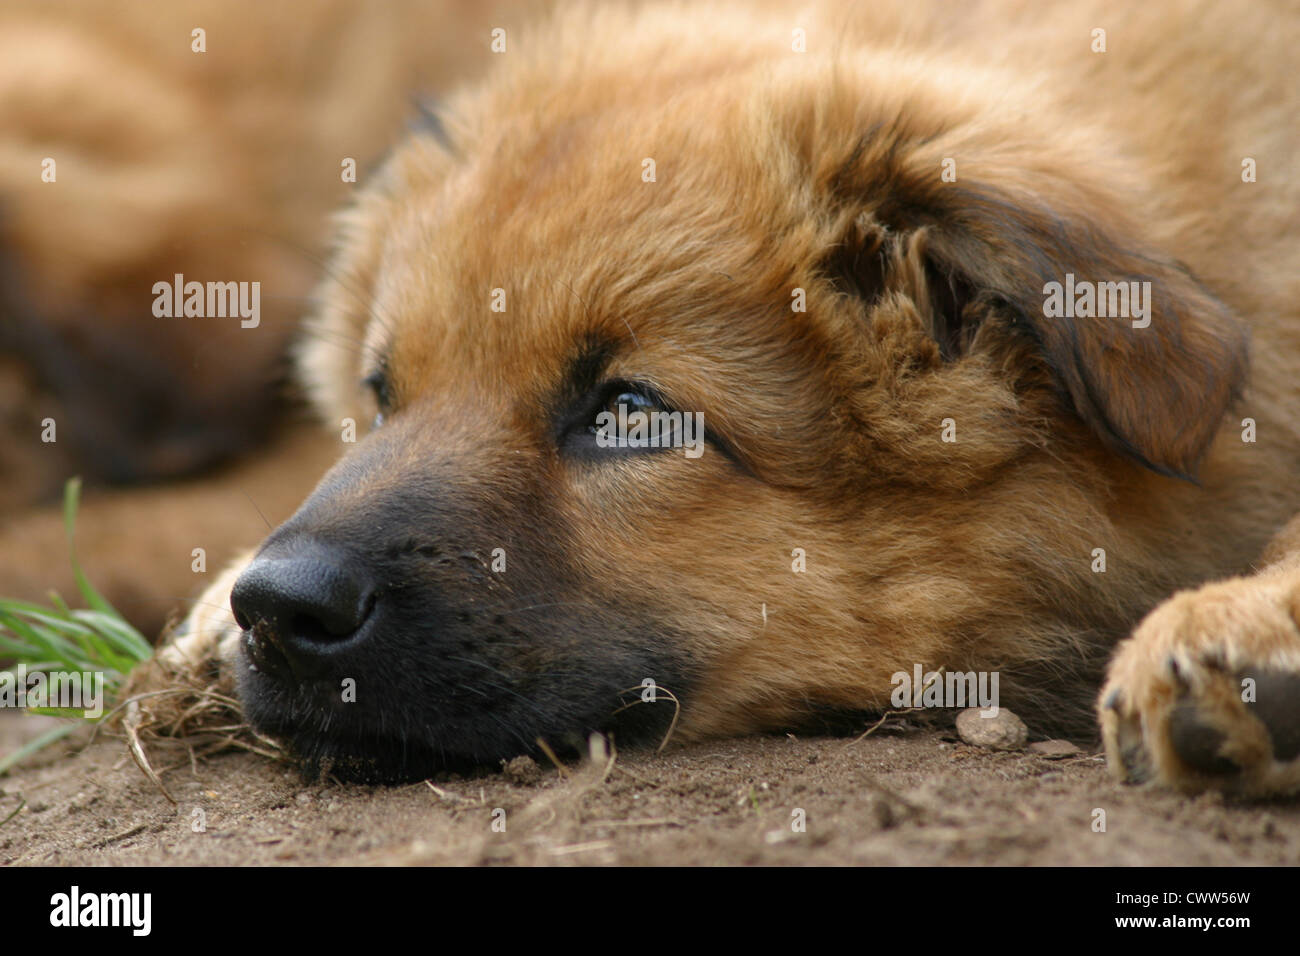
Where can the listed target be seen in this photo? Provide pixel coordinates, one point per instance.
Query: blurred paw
(1206, 693)
(205, 643)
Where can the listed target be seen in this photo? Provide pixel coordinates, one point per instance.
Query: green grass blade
(15, 649)
(44, 641)
(99, 652)
(71, 499)
(14, 606)
(122, 636)
(44, 618)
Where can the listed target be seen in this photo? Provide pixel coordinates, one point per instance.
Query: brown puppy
(836, 237)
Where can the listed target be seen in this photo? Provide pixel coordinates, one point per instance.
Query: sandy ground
(904, 795)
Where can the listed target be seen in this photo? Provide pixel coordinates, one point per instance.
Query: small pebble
(1054, 748)
(1006, 731)
(522, 771)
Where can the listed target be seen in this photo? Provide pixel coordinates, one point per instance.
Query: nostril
(307, 628)
(339, 615)
(304, 605)
(331, 623)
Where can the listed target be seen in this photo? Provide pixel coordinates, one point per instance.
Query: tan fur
(820, 171)
(745, 133)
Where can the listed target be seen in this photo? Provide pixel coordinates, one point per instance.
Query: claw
(1132, 754)
(1176, 672)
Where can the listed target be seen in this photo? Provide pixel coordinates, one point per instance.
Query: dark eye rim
(377, 383)
(576, 430)
(582, 414)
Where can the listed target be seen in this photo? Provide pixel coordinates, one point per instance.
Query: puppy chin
(325, 736)
(399, 739)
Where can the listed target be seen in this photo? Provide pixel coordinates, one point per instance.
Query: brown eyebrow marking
(588, 366)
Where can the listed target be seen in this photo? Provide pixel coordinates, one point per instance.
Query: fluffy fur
(819, 171)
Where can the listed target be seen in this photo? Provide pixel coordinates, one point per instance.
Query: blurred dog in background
(134, 149)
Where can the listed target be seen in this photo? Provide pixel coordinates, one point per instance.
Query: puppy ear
(1154, 382)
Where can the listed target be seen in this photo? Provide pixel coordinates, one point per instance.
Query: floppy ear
(1153, 382)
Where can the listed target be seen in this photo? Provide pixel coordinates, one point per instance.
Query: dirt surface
(904, 795)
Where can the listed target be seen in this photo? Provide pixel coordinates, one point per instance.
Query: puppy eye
(377, 383)
(625, 403)
(633, 418)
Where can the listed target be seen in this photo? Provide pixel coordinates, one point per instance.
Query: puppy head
(768, 243)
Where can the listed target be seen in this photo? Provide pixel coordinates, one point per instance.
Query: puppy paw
(202, 648)
(1206, 693)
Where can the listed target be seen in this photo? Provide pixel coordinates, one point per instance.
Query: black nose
(299, 610)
